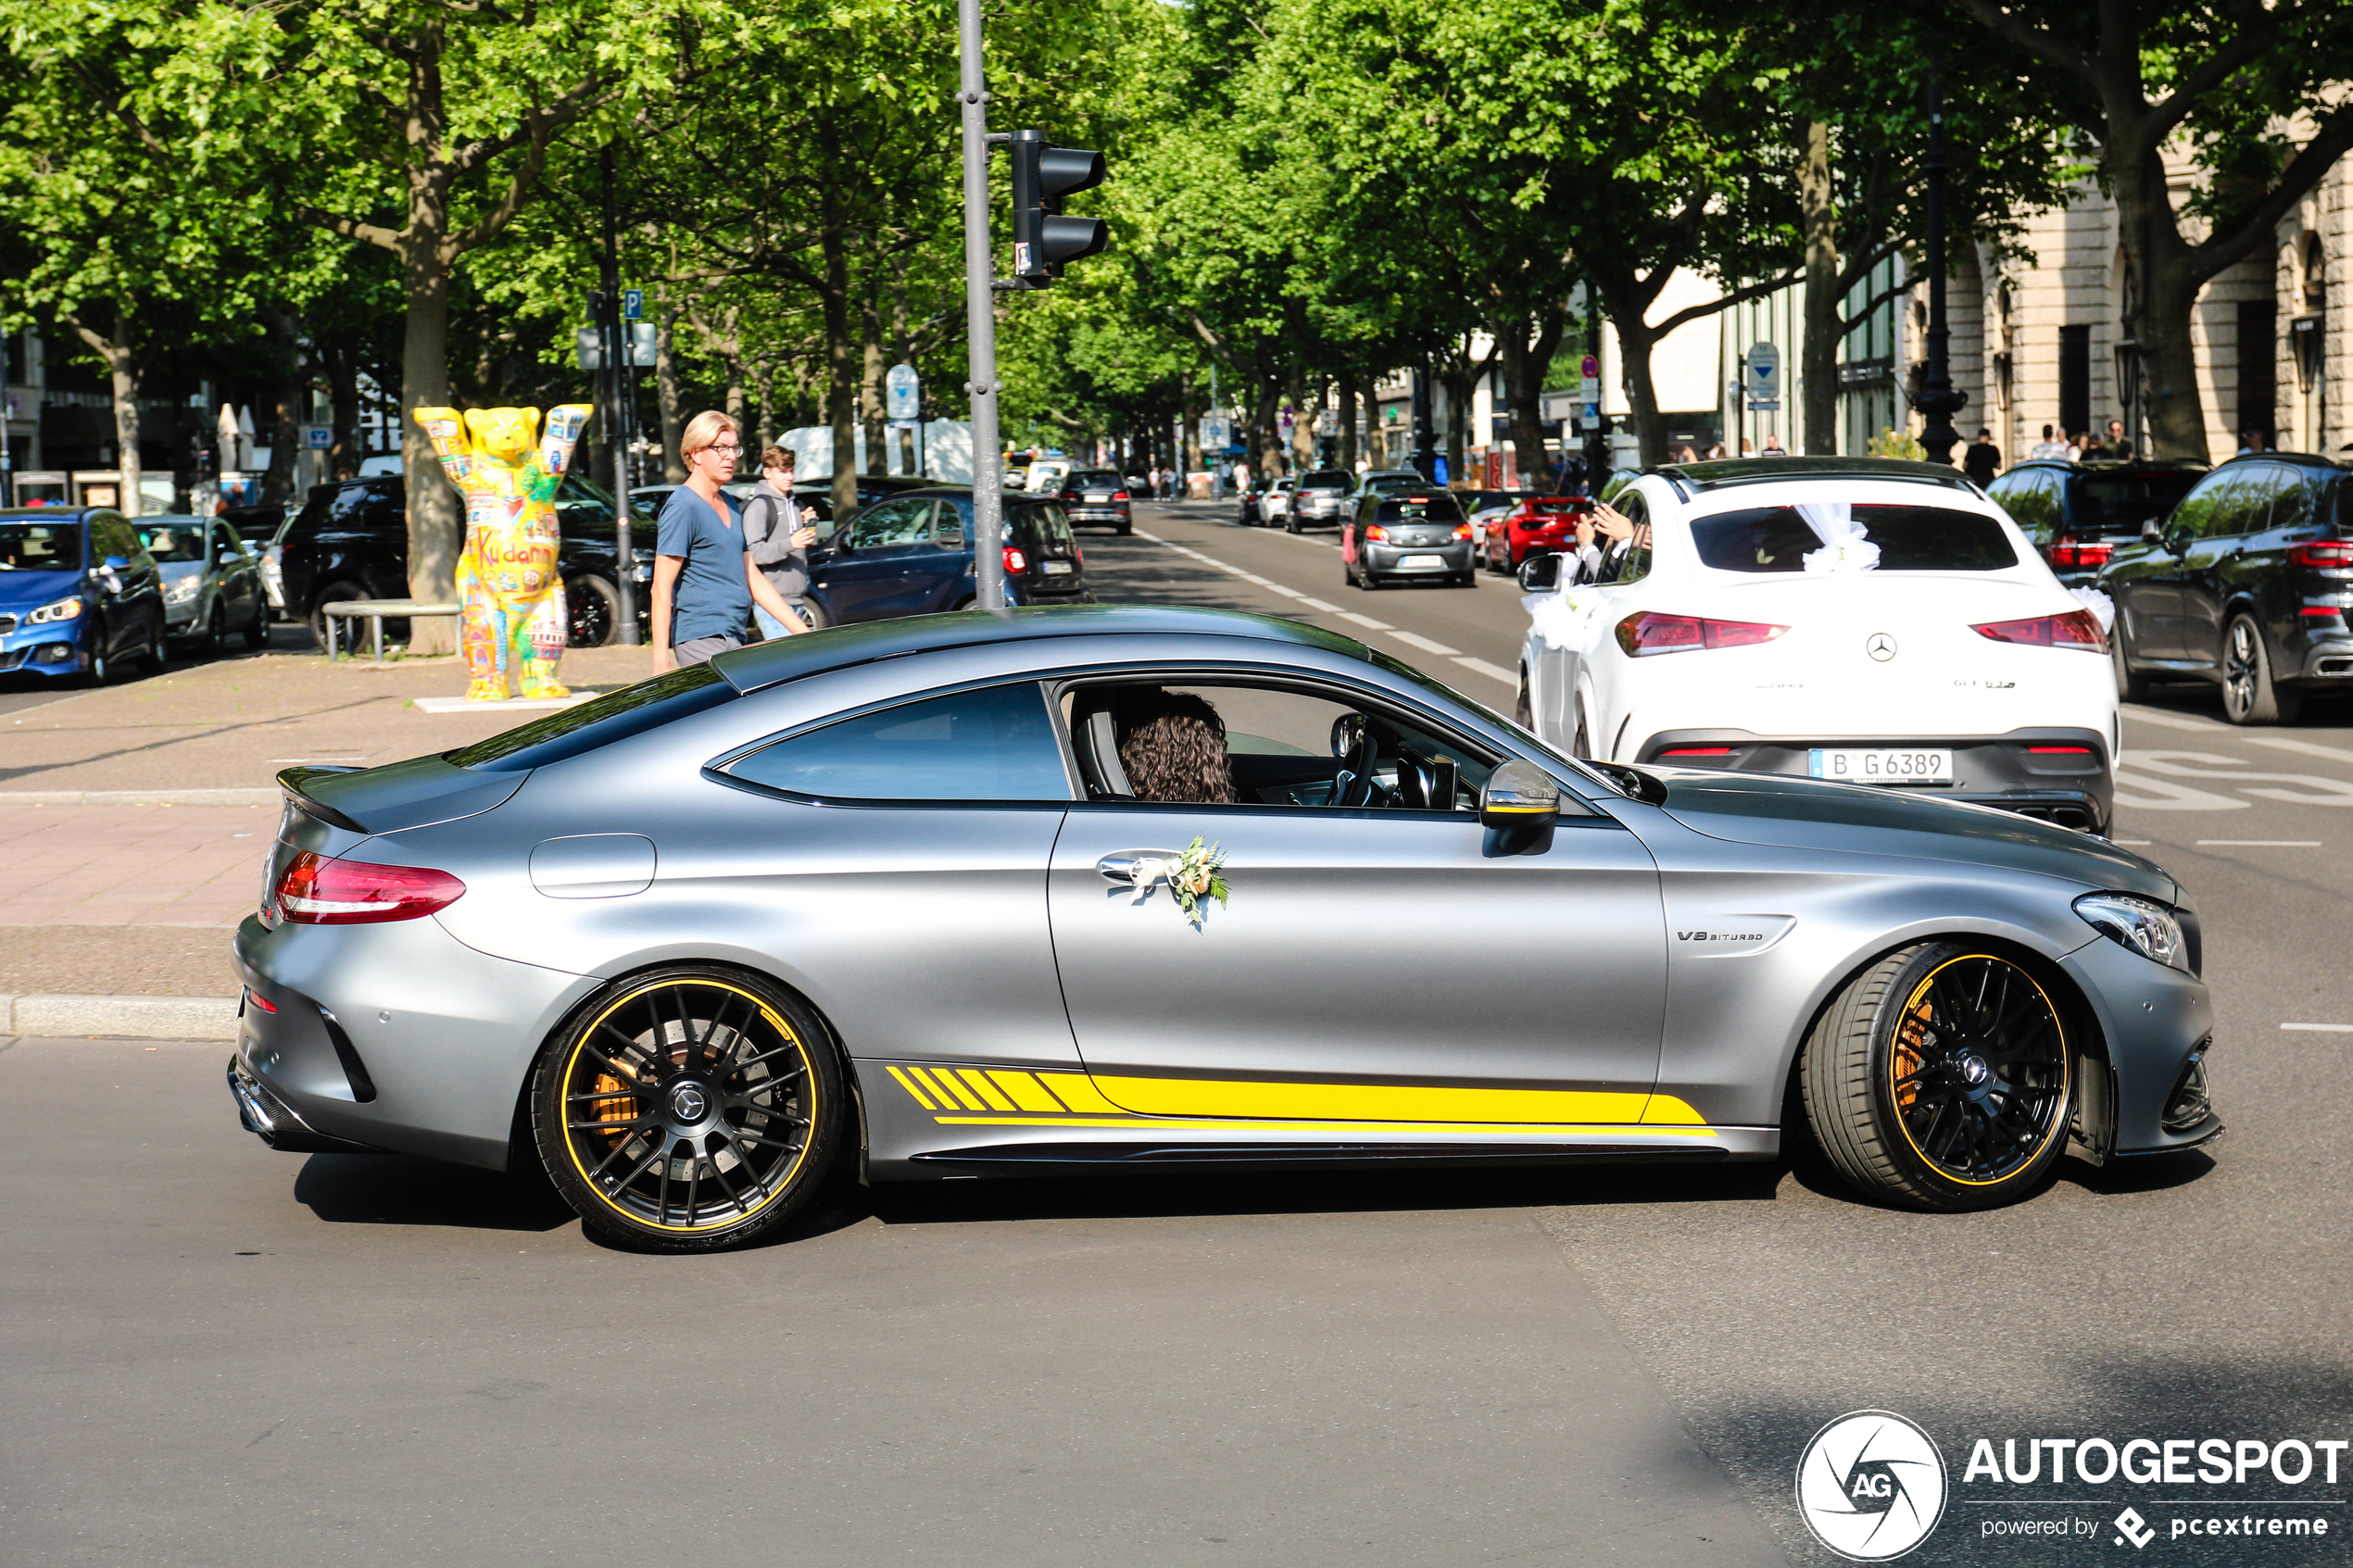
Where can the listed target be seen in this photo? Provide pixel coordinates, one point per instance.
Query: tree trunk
(738, 409)
(123, 377)
(1524, 363)
(1459, 382)
(872, 394)
(1302, 421)
(435, 519)
(763, 390)
(1824, 304)
(1627, 303)
(343, 409)
(674, 423)
(841, 367)
(2151, 240)
(287, 416)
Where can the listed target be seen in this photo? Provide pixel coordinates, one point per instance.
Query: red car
(1538, 525)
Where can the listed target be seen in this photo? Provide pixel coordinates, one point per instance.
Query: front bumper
(1096, 515)
(51, 648)
(1435, 561)
(2073, 789)
(2158, 1023)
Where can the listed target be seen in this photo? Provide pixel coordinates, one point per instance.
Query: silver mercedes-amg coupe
(1064, 890)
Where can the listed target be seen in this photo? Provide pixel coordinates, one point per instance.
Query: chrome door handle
(1121, 867)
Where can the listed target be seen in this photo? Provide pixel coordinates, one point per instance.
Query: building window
(2075, 380)
(2257, 378)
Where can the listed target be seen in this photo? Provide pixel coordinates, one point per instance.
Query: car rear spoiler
(297, 782)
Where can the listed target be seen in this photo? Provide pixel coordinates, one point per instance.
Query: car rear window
(1909, 539)
(1553, 504)
(1095, 477)
(1327, 479)
(616, 715)
(1438, 508)
(1040, 528)
(2121, 503)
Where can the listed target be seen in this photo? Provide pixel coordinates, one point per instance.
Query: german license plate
(1880, 765)
(1057, 568)
(1413, 563)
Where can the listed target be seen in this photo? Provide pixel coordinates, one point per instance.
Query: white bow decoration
(2103, 609)
(1567, 618)
(1150, 869)
(1844, 549)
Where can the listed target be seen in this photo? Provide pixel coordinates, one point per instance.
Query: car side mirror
(1519, 795)
(2152, 532)
(1540, 574)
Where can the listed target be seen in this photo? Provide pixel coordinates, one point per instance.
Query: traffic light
(1043, 238)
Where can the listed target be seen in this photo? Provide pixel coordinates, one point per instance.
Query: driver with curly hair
(1172, 747)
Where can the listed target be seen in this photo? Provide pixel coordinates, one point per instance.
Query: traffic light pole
(617, 425)
(981, 310)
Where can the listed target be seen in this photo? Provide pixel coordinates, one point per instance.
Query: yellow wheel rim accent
(1921, 1063)
(623, 1113)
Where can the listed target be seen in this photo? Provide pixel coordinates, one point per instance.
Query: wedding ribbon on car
(1845, 545)
(1194, 876)
(1567, 618)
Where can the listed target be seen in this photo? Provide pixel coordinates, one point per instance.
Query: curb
(128, 1018)
(140, 798)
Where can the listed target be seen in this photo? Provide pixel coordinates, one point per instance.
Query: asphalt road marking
(2258, 844)
(2132, 842)
(2321, 1028)
(2301, 747)
(1427, 646)
(2170, 721)
(1411, 639)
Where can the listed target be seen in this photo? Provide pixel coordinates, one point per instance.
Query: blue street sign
(632, 304)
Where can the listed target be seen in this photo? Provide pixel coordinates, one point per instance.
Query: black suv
(2247, 584)
(2077, 513)
(350, 541)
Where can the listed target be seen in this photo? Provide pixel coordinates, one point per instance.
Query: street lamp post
(980, 315)
(610, 329)
(1425, 458)
(1938, 400)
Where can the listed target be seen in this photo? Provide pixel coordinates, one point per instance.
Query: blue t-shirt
(711, 598)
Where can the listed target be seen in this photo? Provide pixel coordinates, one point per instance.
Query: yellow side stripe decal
(988, 1091)
(1124, 1098)
(1481, 1129)
(908, 1085)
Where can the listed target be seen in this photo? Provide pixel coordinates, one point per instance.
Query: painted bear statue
(512, 620)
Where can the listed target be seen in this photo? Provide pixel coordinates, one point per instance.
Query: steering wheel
(1354, 784)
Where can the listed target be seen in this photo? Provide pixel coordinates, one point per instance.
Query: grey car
(211, 579)
(1321, 500)
(916, 900)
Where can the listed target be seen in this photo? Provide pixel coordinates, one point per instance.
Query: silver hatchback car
(1109, 889)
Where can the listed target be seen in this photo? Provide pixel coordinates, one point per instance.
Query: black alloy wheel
(688, 1110)
(592, 609)
(216, 629)
(1940, 1078)
(156, 655)
(2250, 695)
(339, 592)
(1290, 521)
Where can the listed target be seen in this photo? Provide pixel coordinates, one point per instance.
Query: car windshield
(1420, 508)
(1909, 539)
(27, 544)
(2119, 503)
(1536, 504)
(1325, 479)
(172, 538)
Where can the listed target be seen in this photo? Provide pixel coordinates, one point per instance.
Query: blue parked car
(910, 554)
(79, 595)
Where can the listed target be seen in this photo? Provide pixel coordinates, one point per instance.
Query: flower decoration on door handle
(1194, 876)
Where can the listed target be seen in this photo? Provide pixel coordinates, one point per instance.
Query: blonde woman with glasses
(705, 581)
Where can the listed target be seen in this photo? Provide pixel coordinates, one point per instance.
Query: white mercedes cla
(1858, 620)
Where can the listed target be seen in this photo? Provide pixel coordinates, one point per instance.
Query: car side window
(890, 522)
(948, 525)
(2291, 500)
(995, 743)
(2244, 502)
(1634, 564)
(2194, 517)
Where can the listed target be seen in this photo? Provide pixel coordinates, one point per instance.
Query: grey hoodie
(770, 519)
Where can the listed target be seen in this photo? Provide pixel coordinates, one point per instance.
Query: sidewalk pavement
(138, 900)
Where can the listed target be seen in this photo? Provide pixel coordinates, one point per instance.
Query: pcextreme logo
(1870, 1485)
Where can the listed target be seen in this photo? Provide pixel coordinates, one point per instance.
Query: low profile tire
(2250, 695)
(216, 630)
(688, 1110)
(156, 655)
(2132, 685)
(1940, 1078)
(1291, 524)
(1124, 529)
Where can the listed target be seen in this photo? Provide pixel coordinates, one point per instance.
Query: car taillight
(2326, 555)
(1648, 633)
(321, 890)
(1698, 751)
(1375, 533)
(2067, 554)
(1462, 530)
(2076, 629)
(1119, 494)
(1015, 563)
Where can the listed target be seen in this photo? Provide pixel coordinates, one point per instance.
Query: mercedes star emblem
(1880, 645)
(688, 1103)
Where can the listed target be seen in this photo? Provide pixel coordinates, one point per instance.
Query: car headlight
(2148, 928)
(184, 589)
(63, 610)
